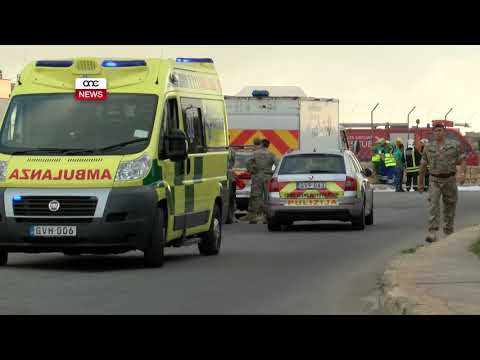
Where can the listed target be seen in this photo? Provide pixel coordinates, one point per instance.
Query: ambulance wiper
(39, 150)
(99, 150)
(122, 144)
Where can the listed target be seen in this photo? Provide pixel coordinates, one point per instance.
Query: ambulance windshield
(50, 122)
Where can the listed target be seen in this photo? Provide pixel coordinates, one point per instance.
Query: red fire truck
(364, 136)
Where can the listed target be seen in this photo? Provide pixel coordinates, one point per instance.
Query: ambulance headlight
(3, 170)
(134, 169)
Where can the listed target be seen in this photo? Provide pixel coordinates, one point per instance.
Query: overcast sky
(434, 78)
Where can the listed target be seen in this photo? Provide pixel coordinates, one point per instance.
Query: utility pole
(371, 121)
(448, 113)
(408, 122)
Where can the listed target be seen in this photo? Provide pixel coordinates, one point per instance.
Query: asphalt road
(324, 268)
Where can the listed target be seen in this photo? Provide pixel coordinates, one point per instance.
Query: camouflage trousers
(447, 190)
(258, 196)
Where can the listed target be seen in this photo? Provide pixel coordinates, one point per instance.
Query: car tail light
(350, 184)
(244, 175)
(239, 184)
(273, 185)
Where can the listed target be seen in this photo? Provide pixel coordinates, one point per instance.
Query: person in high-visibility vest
(400, 165)
(390, 163)
(382, 174)
(376, 158)
(412, 160)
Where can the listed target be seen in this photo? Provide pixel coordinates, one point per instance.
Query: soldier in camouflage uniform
(443, 156)
(261, 168)
(251, 168)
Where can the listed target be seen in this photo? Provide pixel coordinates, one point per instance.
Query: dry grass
(475, 248)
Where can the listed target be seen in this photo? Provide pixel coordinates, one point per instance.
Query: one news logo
(91, 89)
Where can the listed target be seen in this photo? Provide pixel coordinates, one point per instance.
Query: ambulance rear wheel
(154, 254)
(273, 225)
(212, 239)
(3, 257)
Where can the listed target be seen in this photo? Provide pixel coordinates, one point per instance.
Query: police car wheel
(212, 239)
(358, 223)
(3, 257)
(154, 254)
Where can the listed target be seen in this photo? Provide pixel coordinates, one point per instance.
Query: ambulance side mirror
(177, 145)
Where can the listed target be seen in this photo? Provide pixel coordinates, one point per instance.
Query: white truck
(289, 119)
(289, 122)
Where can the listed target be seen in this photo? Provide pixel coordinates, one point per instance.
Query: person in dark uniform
(423, 144)
(412, 165)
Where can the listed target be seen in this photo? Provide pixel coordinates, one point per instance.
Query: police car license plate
(53, 230)
(305, 185)
(312, 202)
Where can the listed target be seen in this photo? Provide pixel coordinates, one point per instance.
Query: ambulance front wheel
(211, 240)
(3, 257)
(154, 254)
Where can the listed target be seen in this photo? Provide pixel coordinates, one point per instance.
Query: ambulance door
(173, 172)
(196, 191)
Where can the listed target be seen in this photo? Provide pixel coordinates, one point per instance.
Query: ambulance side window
(13, 133)
(169, 123)
(193, 124)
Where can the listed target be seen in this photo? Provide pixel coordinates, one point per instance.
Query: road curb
(399, 294)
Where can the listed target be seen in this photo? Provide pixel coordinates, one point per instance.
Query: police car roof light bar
(123, 63)
(195, 60)
(54, 63)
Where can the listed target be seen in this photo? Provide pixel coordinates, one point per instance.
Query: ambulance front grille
(84, 160)
(86, 66)
(69, 206)
(44, 160)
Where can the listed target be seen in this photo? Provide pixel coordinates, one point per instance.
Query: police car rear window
(312, 164)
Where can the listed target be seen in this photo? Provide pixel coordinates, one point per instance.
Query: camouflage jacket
(261, 163)
(230, 164)
(442, 159)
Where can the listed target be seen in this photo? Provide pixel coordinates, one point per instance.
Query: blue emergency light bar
(54, 63)
(195, 60)
(17, 198)
(123, 63)
(260, 93)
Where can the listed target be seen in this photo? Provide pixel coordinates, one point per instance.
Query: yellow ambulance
(105, 156)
